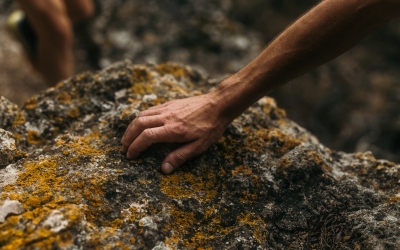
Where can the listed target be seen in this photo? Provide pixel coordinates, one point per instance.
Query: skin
(323, 33)
(52, 21)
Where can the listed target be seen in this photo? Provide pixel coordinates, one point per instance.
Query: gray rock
(266, 184)
(197, 33)
(7, 147)
(8, 111)
(10, 208)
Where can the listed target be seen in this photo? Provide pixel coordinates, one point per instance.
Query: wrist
(229, 98)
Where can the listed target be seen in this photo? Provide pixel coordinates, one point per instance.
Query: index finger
(136, 127)
(148, 137)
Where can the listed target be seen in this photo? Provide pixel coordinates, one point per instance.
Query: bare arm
(326, 31)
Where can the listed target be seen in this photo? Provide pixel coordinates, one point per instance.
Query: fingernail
(123, 149)
(129, 156)
(167, 168)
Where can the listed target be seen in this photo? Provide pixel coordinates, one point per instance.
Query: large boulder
(356, 108)
(266, 184)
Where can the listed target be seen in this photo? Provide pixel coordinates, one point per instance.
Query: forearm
(325, 32)
(197, 122)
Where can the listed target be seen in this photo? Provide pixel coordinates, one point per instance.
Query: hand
(195, 121)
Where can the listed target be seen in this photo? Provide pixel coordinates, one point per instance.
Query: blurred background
(351, 104)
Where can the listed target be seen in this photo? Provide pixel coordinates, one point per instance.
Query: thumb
(179, 156)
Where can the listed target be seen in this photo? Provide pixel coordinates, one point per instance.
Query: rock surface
(7, 147)
(267, 183)
(196, 33)
(10, 208)
(356, 108)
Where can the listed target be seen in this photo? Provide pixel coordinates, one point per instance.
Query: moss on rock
(267, 182)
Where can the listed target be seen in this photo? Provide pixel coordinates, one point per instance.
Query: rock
(8, 175)
(10, 208)
(8, 111)
(56, 222)
(7, 148)
(198, 33)
(266, 184)
(356, 108)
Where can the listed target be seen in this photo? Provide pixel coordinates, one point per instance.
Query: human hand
(196, 121)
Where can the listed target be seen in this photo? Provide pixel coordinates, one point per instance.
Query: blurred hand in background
(45, 28)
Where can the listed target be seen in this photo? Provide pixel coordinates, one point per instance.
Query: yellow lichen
(19, 119)
(42, 175)
(187, 185)
(83, 145)
(74, 112)
(182, 221)
(283, 142)
(17, 137)
(30, 103)
(145, 182)
(34, 138)
(271, 106)
(142, 88)
(248, 197)
(134, 214)
(41, 188)
(36, 234)
(394, 199)
(141, 74)
(172, 69)
(125, 113)
(241, 171)
(59, 119)
(257, 224)
(63, 97)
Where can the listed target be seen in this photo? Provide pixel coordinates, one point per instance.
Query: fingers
(136, 128)
(153, 111)
(185, 121)
(146, 139)
(176, 158)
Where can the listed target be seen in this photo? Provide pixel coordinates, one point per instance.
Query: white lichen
(56, 221)
(10, 207)
(8, 176)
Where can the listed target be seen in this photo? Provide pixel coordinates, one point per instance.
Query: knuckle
(200, 147)
(177, 127)
(167, 131)
(179, 158)
(141, 120)
(173, 113)
(148, 134)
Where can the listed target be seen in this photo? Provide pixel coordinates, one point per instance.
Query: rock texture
(267, 184)
(197, 33)
(10, 208)
(356, 108)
